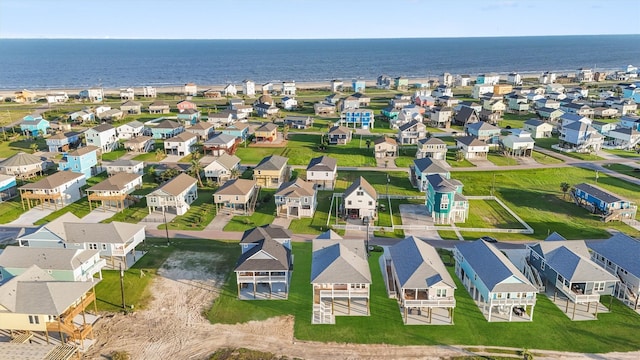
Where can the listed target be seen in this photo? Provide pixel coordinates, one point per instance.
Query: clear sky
(313, 19)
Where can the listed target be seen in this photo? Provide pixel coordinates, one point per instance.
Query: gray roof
(267, 255)
(21, 159)
(111, 233)
(263, 232)
(364, 184)
(83, 150)
(441, 184)
(177, 185)
(622, 250)
(464, 114)
(338, 130)
(45, 258)
(418, 265)
(220, 139)
(116, 182)
(339, 261)
(599, 193)
(267, 126)
(122, 162)
(182, 137)
(168, 124)
(577, 126)
(227, 161)
(272, 162)
(534, 122)
(53, 181)
(102, 128)
(470, 141)
(493, 267)
(429, 166)
(481, 125)
(409, 125)
(432, 140)
(201, 125)
(36, 292)
(322, 163)
(135, 124)
(571, 260)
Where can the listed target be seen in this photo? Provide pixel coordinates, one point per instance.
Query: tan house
(176, 194)
(431, 147)
(322, 171)
(272, 171)
(22, 165)
(139, 144)
(296, 199)
(35, 302)
(339, 135)
(114, 190)
(340, 277)
(159, 107)
(237, 196)
(202, 129)
(385, 147)
(266, 132)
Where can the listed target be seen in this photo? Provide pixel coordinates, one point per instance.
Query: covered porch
(418, 309)
(577, 307)
(263, 285)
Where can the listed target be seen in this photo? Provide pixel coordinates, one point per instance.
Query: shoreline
(303, 85)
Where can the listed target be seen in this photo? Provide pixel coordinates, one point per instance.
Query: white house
(149, 91)
(322, 171)
(127, 94)
(296, 199)
(124, 166)
(580, 137)
(518, 145)
(230, 90)
(538, 128)
(289, 88)
(514, 79)
(103, 136)
(481, 89)
(190, 89)
(360, 200)
(176, 194)
(130, 130)
(623, 138)
(289, 103)
(472, 147)
(249, 88)
(181, 144)
(60, 189)
(59, 97)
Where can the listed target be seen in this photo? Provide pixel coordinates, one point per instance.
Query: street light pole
(166, 226)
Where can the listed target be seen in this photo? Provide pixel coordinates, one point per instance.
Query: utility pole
(124, 306)
(166, 226)
(596, 176)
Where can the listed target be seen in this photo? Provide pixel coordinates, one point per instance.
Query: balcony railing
(345, 293)
(576, 297)
(445, 302)
(514, 301)
(262, 278)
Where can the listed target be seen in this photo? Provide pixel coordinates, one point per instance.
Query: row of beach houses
(573, 274)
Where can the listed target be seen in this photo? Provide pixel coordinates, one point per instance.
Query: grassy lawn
(301, 148)
(149, 157)
(624, 169)
(113, 155)
(398, 184)
(551, 329)
(623, 153)
(264, 214)
(545, 159)
(535, 195)
(16, 143)
(547, 142)
(489, 214)
(451, 160)
(10, 210)
(199, 215)
(318, 223)
(135, 286)
(132, 214)
(501, 160)
(515, 121)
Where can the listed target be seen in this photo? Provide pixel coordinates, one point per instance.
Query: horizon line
(313, 38)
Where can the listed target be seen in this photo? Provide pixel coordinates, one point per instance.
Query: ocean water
(47, 63)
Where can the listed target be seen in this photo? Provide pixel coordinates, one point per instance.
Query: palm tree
(234, 173)
(459, 155)
(368, 142)
(159, 154)
(33, 147)
(285, 132)
(565, 187)
(196, 167)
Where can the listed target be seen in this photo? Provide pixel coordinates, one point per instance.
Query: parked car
(489, 239)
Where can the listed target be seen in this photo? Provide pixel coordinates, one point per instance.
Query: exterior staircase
(532, 274)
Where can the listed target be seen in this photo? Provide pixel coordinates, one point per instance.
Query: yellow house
(266, 132)
(502, 89)
(24, 96)
(35, 301)
(236, 196)
(271, 172)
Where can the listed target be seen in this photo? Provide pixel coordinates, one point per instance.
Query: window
(441, 292)
(34, 319)
(93, 246)
(349, 202)
(444, 206)
(104, 246)
(360, 193)
(542, 265)
(598, 286)
(370, 203)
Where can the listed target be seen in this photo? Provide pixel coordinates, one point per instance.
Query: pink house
(185, 104)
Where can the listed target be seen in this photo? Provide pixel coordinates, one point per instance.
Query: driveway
(417, 215)
(482, 163)
(386, 163)
(171, 159)
(219, 222)
(31, 216)
(99, 214)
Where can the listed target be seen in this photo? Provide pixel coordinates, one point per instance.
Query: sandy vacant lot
(173, 327)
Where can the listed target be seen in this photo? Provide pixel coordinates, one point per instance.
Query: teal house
(189, 116)
(239, 130)
(166, 129)
(62, 264)
(83, 161)
(34, 125)
(445, 201)
(390, 112)
(424, 167)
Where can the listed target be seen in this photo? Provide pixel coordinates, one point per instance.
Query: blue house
(8, 187)
(82, 161)
(63, 141)
(358, 85)
(189, 116)
(445, 201)
(630, 122)
(390, 112)
(34, 125)
(598, 200)
(631, 92)
(494, 283)
(619, 255)
(240, 130)
(166, 129)
(566, 267)
(362, 118)
(424, 167)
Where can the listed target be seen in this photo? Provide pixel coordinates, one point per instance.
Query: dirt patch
(174, 327)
